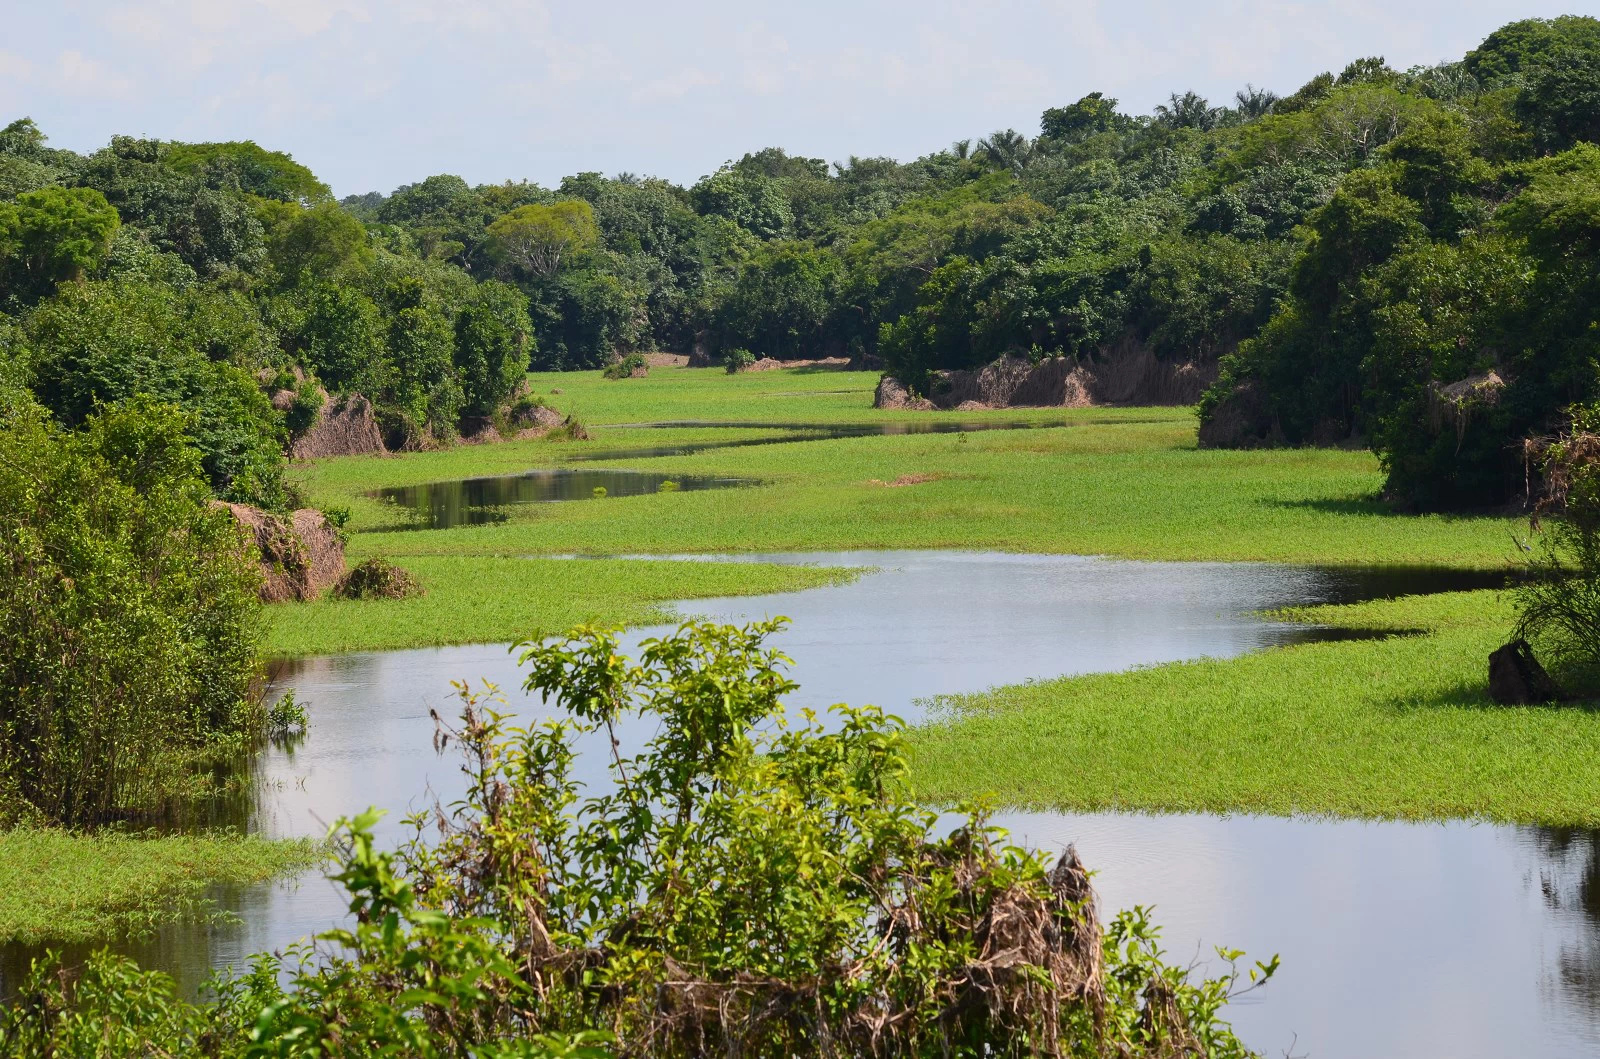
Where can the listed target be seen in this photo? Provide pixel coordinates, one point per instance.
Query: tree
(1188, 111)
(537, 238)
(494, 340)
(322, 240)
(128, 639)
(249, 168)
(342, 340)
(1560, 102)
(97, 344)
(1007, 149)
(1094, 113)
(51, 235)
(749, 199)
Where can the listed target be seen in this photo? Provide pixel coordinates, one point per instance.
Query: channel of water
(1462, 939)
(482, 501)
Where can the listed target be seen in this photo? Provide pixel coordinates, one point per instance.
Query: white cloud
(374, 93)
(675, 86)
(78, 73)
(15, 66)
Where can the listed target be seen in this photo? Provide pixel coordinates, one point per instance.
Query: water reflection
(480, 501)
(1435, 939)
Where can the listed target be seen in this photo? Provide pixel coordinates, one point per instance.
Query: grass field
(1127, 482)
(63, 888)
(476, 599)
(1399, 727)
(1390, 728)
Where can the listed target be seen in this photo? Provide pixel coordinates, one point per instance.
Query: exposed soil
(344, 427)
(1126, 374)
(300, 556)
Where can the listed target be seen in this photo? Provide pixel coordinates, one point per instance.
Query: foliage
(494, 340)
(1284, 239)
(103, 343)
(744, 882)
(539, 237)
(1442, 306)
(737, 360)
(1558, 603)
(129, 647)
(50, 235)
(627, 367)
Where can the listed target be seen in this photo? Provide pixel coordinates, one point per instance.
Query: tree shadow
(1375, 505)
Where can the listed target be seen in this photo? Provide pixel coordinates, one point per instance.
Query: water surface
(1397, 939)
(480, 501)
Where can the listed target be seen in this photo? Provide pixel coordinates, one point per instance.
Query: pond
(1460, 939)
(480, 501)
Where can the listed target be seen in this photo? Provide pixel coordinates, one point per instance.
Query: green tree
(98, 344)
(324, 240)
(128, 634)
(51, 235)
(342, 340)
(494, 340)
(249, 168)
(538, 238)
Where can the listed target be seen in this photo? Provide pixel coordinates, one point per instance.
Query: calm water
(479, 501)
(1455, 939)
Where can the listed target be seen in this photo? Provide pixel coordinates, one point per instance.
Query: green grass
(1127, 482)
(476, 599)
(1394, 728)
(63, 888)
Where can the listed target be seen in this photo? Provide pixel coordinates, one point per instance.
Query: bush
(737, 887)
(629, 366)
(1558, 605)
(738, 360)
(128, 633)
(377, 579)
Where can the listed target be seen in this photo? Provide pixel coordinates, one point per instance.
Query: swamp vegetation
(1389, 274)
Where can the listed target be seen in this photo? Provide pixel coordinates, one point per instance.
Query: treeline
(1350, 251)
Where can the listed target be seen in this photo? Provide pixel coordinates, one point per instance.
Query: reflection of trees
(1569, 882)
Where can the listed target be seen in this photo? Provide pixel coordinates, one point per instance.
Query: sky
(372, 94)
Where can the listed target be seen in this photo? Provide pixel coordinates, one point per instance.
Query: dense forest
(1399, 258)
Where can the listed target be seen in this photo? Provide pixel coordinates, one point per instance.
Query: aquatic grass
(1134, 487)
(1391, 728)
(60, 887)
(477, 599)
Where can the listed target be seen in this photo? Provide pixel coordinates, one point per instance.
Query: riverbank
(61, 888)
(1396, 728)
(1124, 482)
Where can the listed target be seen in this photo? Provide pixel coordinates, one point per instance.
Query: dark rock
(1517, 679)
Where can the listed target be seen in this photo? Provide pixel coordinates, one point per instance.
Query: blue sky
(376, 93)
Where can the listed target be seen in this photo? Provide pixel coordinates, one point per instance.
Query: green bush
(1558, 604)
(128, 634)
(626, 366)
(738, 360)
(743, 885)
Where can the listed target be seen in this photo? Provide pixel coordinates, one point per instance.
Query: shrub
(628, 367)
(738, 360)
(377, 579)
(1558, 605)
(128, 636)
(742, 885)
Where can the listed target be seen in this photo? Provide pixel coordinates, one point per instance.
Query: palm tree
(1007, 149)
